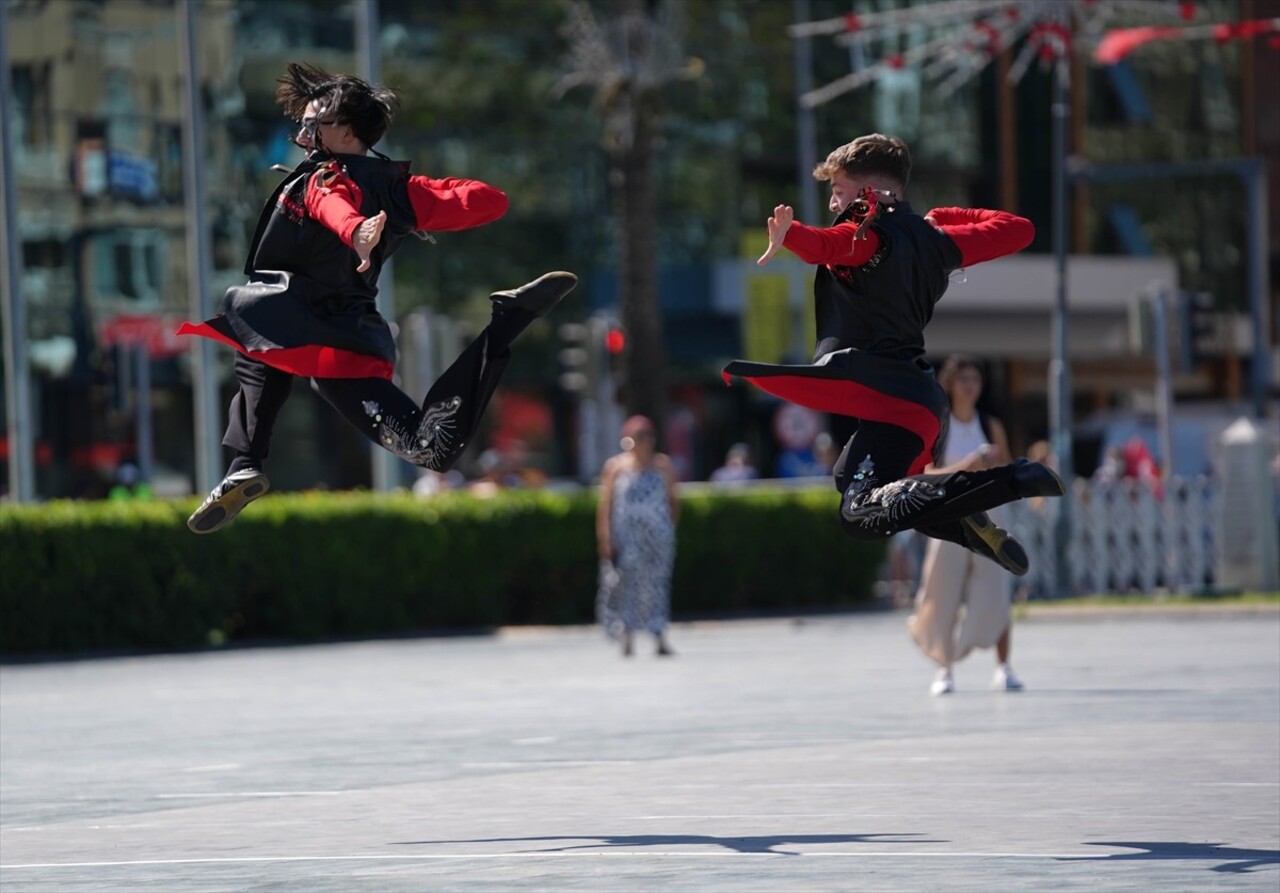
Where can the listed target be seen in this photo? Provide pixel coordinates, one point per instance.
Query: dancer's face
(844, 189)
(319, 127)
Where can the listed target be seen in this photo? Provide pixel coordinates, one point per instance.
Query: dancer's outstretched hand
(779, 223)
(367, 236)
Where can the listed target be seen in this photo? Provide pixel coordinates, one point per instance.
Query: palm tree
(627, 59)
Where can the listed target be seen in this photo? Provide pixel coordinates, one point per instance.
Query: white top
(962, 439)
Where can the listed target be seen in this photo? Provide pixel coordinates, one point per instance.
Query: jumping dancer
(881, 269)
(308, 309)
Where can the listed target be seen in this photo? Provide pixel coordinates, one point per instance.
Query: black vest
(303, 288)
(287, 239)
(883, 306)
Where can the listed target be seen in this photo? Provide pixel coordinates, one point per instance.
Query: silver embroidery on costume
(884, 507)
(866, 472)
(864, 479)
(430, 443)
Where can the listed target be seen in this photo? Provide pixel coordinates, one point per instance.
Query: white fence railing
(1125, 537)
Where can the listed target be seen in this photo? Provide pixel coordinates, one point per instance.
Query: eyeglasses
(311, 128)
(311, 124)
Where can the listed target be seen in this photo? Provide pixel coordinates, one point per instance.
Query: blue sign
(133, 177)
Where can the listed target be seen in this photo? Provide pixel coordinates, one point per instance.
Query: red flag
(1117, 44)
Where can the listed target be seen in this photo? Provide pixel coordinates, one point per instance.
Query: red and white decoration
(961, 37)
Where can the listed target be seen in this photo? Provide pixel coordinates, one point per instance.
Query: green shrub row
(84, 577)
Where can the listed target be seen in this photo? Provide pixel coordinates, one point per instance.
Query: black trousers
(878, 499)
(432, 434)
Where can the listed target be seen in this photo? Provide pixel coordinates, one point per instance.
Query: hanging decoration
(1120, 42)
(962, 37)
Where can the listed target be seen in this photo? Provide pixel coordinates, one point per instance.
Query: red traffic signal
(615, 341)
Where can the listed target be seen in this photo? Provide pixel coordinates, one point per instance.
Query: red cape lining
(309, 361)
(848, 398)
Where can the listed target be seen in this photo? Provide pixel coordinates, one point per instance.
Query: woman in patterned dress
(636, 538)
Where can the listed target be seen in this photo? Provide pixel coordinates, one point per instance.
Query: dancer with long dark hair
(308, 309)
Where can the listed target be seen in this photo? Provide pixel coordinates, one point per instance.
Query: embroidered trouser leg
(877, 501)
(434, 434)
(254, 408)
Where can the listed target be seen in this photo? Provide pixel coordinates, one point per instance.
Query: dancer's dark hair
(367, 109)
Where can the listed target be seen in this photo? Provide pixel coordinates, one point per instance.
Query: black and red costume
(306, 311)
(874, 292)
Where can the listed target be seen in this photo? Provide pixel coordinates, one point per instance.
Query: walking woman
(964, 602)
(636, 538)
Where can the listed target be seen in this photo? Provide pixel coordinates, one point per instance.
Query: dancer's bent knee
(432, 439)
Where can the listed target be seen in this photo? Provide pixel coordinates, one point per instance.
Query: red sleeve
(983, 235)
(832, 246)
(452, 204)
(334, 200)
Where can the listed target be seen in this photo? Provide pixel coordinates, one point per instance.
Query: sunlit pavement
(769, 755)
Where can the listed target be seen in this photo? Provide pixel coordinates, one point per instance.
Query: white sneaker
(1005, 680)
(943, 684)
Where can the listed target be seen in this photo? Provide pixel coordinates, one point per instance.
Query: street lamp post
(385, 466)
(17, 374)
(204, 377)
(1060, 366)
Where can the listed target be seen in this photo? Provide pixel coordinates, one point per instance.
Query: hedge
(105, 576)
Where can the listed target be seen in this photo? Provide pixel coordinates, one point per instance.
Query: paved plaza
(770, 755)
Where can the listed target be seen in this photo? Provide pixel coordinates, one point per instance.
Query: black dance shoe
(237, 490)
(537, 297)
(996, 543)
(1033, 479)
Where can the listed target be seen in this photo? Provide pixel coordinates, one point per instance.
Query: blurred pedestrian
(430, 483)
(636, 539)
(737, 466)
(1140, 466)
(129, 485)
(494, 475)
(881, 268)
(309, 310)
(1111, 468)
(964, 602)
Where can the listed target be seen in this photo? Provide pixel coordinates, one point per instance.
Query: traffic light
(615, 341)
(578, 365)
(591, 357)
(615, 349)
(1198, 328)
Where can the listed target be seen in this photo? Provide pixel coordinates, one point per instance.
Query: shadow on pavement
(762, 844)
(1238, 861)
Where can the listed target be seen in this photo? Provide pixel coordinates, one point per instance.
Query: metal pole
(806, 129)
(1164, 385)
(17, 373)
(204, 380)
(386, 468)
(1059, 366)
(806, 161)
(142, 409)
(1254, 180)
